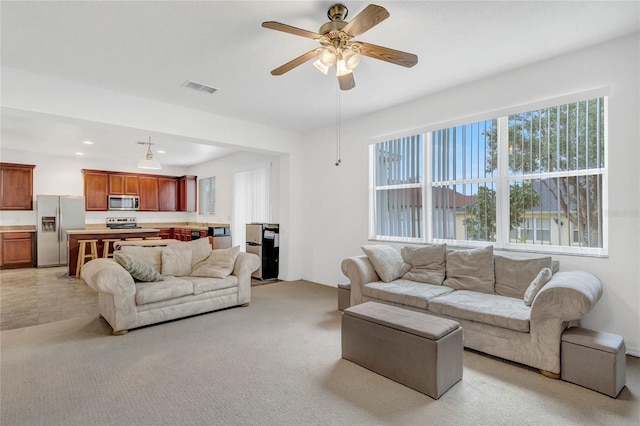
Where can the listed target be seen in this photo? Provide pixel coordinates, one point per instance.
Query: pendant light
(148, 162)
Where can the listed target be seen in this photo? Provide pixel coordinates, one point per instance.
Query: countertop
(105, 230)
(17, 228)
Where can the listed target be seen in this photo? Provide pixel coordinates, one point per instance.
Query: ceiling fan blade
(346, 81)
(371, 16)
(291, 30)
(296, 62)
(389, 55)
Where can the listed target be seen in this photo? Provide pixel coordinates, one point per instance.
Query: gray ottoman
(594, 359)
(415, 349)
(344, 295)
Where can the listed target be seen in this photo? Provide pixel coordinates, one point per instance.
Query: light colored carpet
(276, 362)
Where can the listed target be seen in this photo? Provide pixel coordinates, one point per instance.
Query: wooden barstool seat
(153, 238)
(83, 255)
(133, 239)
(107, 243)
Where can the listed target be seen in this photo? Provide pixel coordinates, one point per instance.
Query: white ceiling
(149, 49)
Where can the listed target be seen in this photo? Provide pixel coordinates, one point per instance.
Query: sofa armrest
(107, 276)
(568, 296)
(246, 264)
(360, 271)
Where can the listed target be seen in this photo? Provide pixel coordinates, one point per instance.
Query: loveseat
(147, 285)
(509, 307)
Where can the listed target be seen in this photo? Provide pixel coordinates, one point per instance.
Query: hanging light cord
(338, 159)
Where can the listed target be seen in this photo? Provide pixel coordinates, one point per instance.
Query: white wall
(224, 168)
(336, 206)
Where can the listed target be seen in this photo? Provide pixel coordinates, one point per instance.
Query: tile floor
(31, 296)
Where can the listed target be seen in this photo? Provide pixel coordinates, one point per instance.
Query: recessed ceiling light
(160, 151)
(79, 153)
(87, 142)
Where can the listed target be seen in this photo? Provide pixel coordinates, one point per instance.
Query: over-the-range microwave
(124, 202)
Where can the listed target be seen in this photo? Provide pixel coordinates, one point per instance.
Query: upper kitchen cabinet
(124, 184)
(148, 193)
(187, 193)
(167, 194)
(16, 186)
(96, 190)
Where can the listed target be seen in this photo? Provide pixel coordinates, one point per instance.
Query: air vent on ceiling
(199, 87)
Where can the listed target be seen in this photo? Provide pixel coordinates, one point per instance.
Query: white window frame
(502, 182)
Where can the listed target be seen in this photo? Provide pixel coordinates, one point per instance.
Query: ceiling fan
(338, 47)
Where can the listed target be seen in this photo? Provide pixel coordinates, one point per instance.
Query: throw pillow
(200, 249)
(428, 264)
(536, 285)
(387, 261)
(139, 269)
(470, 269)
(176, 262)
(219, 264)
(151, 255)
(513, 275)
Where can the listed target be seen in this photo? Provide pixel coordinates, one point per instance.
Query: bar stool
(107, 243)
(82, 253)
(133, 239)
(153, 238)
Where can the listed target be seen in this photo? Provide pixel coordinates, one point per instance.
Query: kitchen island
(101, 234)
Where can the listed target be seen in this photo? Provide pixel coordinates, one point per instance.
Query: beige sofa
(176, 281)
(484, 293)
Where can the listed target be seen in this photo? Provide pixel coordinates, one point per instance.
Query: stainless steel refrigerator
(263, 239)
(56, 215)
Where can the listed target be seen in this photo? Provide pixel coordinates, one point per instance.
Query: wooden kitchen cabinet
(148, 193)
(17, 249)
(188, 189)
(96, 190)
(123, 184)
(166, 233)
(16, 186)
(167, 194)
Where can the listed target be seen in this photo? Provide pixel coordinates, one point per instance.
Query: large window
(532, 180)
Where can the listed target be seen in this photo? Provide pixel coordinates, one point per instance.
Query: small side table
(594, 359)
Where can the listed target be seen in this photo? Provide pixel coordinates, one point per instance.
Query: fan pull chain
(338, 159)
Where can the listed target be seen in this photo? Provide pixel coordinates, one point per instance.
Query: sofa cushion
(513, 275)
(200, 249)
(428, 263)
(386, 260)
(492, 309)
(176, 262)
(151, 255)
(139, 269)
(219, 264)
(536, 285)
(205, 284)
(170, 288)
(404, 292)
(470, 269)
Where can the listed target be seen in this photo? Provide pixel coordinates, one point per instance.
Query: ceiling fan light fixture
(351, 58)
(321, 67)
(328, 56)
(341, 68)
